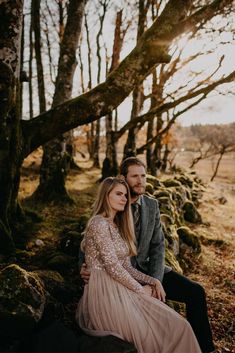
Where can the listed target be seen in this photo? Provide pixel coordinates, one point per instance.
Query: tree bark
(35, 13)
(137, 100)
(11, 14)
(56, 153)
(110, 164)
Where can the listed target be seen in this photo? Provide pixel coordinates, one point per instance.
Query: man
(151, 254)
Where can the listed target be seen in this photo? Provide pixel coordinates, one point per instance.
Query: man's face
(136, 179)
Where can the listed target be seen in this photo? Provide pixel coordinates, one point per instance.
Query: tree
(214, 141)
(56, 158)
(19, 138)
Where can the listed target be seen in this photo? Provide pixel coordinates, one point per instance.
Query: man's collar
(138, 200)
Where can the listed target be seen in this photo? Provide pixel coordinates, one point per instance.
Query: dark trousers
(181, 289)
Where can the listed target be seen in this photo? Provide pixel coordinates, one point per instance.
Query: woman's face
(118, 198)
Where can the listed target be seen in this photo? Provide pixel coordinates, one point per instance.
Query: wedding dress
(114, 302)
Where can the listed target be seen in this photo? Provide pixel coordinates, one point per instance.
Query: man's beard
(134, 193)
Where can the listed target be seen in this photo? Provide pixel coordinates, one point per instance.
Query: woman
(116, 300)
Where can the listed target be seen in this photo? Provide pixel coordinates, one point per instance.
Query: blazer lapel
(144, 215)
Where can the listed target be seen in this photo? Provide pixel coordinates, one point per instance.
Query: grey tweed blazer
(150, 257)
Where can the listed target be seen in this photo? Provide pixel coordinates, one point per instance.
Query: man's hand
(158, 291)
(85, 273)
(148, 290)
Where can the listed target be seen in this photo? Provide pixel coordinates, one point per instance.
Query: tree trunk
(56, 156)
(31, 67)
(217, 164)
(10, 133)
(110, 164)
(96, 146)
(35, 13)
(137, 102)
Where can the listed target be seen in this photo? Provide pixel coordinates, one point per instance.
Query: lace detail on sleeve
(99, 230)
(137, 275)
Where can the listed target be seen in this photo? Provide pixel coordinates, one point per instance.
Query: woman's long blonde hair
(123, 219)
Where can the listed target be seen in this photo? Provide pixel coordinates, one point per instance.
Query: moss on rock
(188, 237)
(22, 300)
(171, 261)
(171, 182)
(191, 213)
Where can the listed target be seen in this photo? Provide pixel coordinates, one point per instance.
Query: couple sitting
(128, 300)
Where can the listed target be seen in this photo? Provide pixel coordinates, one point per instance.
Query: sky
(217, 108)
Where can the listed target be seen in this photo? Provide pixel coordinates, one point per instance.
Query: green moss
(171, 182)
(153, 180)
(172, 261)
(149, 188)
(190, 238)
(191, 214)
(162, 193)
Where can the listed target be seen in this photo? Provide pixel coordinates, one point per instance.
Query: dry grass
(214, 269)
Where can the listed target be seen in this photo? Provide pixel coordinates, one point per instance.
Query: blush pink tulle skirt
(109, 308)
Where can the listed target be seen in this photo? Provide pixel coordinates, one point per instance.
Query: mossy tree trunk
(11, 14)
(56, 153)
(19, 138)
(138, 97)
(110, 164)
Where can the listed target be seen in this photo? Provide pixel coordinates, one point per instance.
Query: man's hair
(126, 163)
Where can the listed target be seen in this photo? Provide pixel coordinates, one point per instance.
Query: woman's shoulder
(98, 220)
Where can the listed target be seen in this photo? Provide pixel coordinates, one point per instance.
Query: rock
(166, 206)
(186, 180)
(191, 214)
(171, 182)
(171, 261)
(149, 188)
(70, 243)
(22, 301)
(107, 344)
(188, 237)
(153, 180)
(222, 200)
(39, 242)
(162, 193)
(56, 286)
(61, 262)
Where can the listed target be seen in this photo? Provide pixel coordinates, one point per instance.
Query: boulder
(22, 301)
(171, 182)
(191, 213)
(149, 188)
(188, 237)
(107, 344)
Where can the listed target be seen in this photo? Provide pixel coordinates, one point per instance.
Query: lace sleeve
(99, 230)
(139, 276)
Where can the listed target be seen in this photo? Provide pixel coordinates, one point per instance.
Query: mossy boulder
(190, 238)
(171, 261)
(22, 301)
(149, 188)
(186, 180)
(171, 183)
(70, 243)
(61, 262)
(107, 344)
(153, 180)
(162, 192)
(191, 213)
(166, 206)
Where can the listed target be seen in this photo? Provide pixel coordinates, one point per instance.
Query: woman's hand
(148, 290)
(158, 291)
(85, 273)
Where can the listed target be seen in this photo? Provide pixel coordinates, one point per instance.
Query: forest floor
(214, 269)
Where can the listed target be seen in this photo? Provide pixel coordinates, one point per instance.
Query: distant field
(226, 172)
